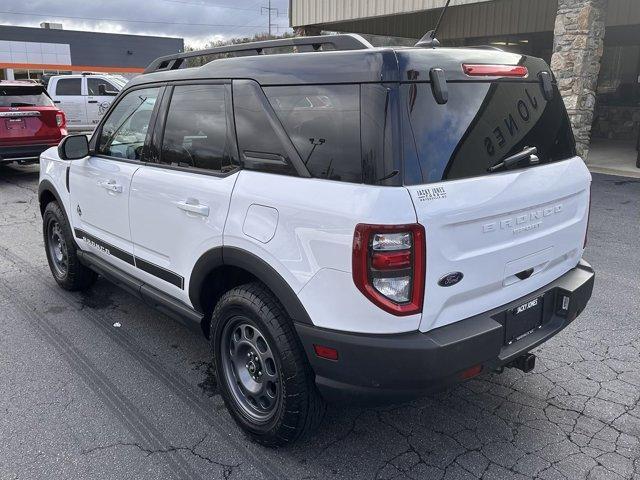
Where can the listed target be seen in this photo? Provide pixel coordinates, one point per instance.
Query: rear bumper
(24, 152)
(390, 368)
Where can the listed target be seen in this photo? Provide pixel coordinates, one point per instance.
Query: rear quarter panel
(308, 241)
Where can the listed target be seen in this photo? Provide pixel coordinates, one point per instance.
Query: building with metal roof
(593, 47)
(30, 53)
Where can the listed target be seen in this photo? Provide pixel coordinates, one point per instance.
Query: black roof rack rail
(312, 44)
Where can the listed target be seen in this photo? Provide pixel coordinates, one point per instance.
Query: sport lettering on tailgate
(523, 222)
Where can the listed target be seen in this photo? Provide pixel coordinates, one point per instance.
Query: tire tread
(78, 276)
(304, 407)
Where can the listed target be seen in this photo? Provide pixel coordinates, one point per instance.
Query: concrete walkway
(613, 157)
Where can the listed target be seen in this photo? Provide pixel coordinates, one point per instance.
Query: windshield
(119, 81)
(482, 124)
(24, 96)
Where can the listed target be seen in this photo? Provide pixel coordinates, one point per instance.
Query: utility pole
(269, 9)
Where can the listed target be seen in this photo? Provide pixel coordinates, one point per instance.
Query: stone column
(577, 50)
(306, 31)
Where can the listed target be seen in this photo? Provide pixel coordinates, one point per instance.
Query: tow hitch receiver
(526, 362)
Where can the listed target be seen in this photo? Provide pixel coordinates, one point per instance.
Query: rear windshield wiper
(529, 154)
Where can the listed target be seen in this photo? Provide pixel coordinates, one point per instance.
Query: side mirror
(73, 147)
(102, 91)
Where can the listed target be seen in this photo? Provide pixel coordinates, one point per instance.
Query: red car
(29, 121)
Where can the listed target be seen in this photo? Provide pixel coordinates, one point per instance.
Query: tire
(277, 402)
(61, 251)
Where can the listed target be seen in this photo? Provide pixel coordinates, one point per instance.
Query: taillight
(59, 119)
(495, 70)
(388, 266)
(586, 232)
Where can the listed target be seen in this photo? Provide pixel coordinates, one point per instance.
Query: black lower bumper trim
(387, 368)
(22, 152)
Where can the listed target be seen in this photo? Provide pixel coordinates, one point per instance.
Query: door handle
(110, 185)
(92, 101)
(192, 205)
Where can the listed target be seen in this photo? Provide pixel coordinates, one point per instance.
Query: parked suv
(29, 122)
(342, 223)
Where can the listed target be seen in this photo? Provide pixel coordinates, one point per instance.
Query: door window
(197, 129)
(124, 131)
(93, 87)
(69, 86)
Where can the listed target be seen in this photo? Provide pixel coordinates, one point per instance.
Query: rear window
(24, 96)
(481, 124)
(323, 123)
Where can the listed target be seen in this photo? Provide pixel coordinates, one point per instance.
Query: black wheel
(61, 251)
(265, 379)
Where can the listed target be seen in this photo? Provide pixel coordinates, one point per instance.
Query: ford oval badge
(450, 279)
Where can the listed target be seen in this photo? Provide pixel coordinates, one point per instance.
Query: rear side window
(481, 124)
(263, 144)
(24, 96)
(323, 122)
(198, 131)
(69, 86)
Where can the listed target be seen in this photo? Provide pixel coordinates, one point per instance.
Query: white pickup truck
(84, 97)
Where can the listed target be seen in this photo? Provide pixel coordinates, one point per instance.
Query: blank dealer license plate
(15, 123)
(523, 319)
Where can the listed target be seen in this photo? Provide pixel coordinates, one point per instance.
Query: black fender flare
(237, 257)
(47, 187)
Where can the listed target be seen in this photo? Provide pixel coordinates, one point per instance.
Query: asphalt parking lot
(81, 398)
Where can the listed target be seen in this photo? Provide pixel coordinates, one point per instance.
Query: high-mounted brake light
(495, 70)
(388, 265)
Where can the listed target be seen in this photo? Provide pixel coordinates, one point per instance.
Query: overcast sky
(197, 21)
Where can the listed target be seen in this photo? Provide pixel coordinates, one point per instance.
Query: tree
(199, 61)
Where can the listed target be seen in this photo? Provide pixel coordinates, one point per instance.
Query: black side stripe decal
(161, 273)
(105, 247)
(155, 270)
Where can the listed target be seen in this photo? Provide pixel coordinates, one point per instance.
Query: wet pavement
(81, 398)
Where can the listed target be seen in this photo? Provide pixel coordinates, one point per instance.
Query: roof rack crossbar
(307, 44)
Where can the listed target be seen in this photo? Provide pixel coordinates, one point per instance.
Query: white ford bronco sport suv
(342, 222)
